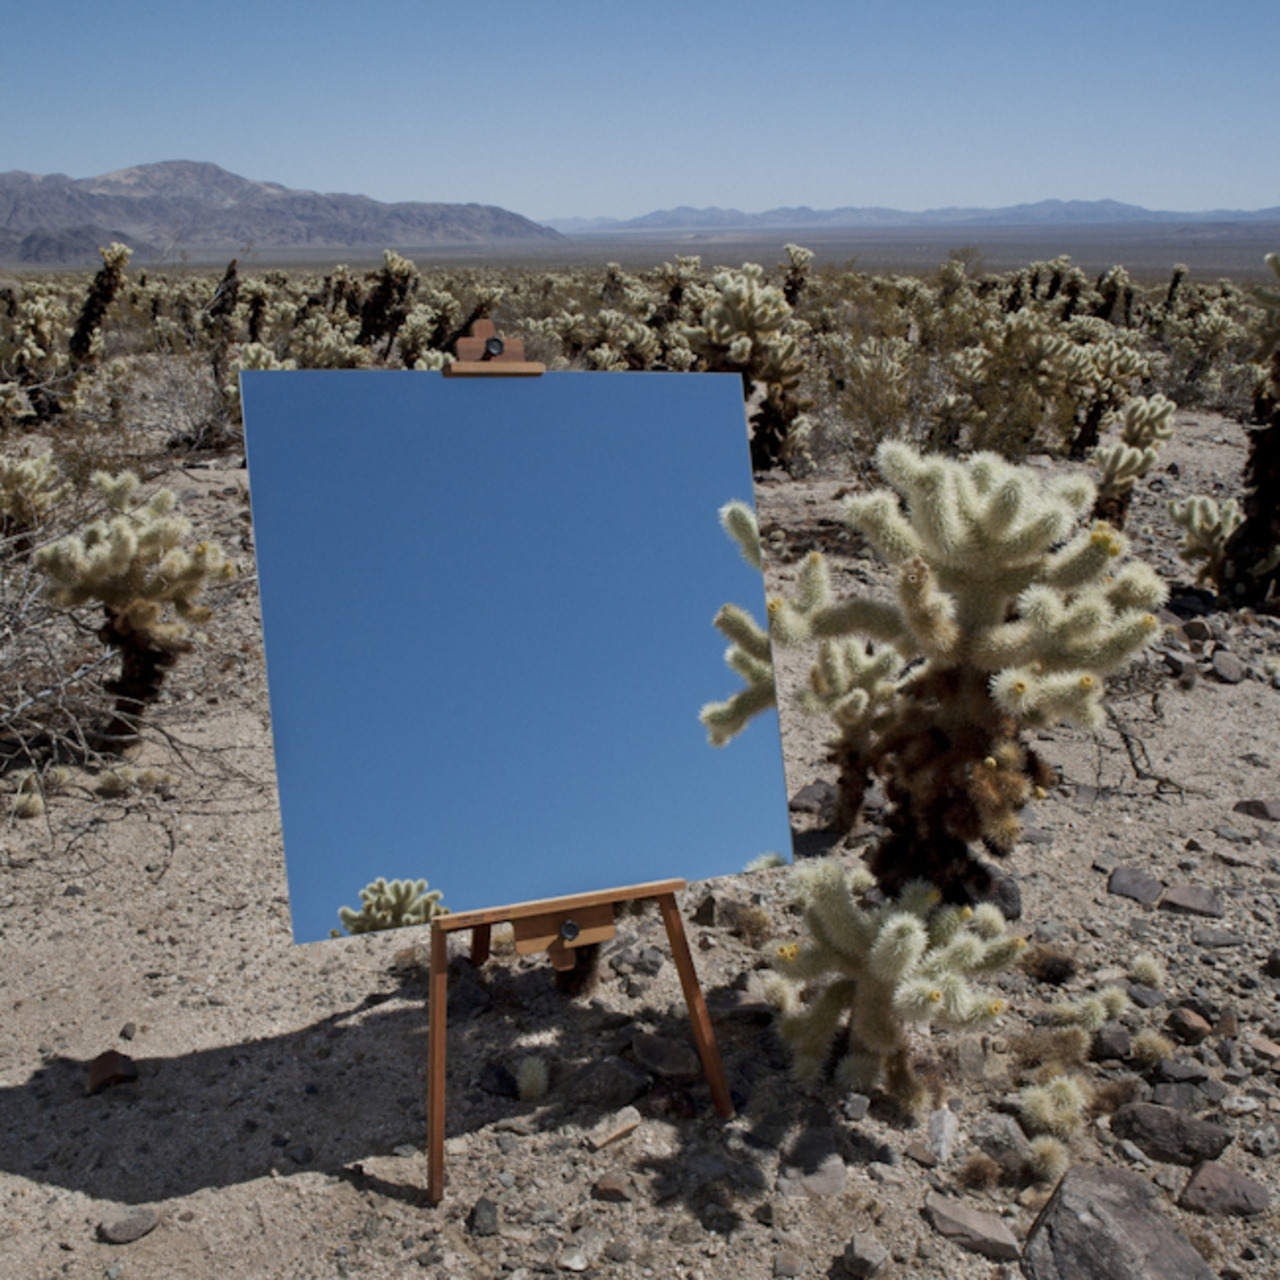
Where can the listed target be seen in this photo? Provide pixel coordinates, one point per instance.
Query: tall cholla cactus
(904, 962)
(86, 338)
(391, 904)
(1145, 426)
(1250, 569)
(134, 565)
(29, 489)
(1008, 621)
(746, 329)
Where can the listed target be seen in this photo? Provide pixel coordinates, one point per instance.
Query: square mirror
(487, 608)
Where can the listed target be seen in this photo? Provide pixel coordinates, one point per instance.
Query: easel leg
(439, 1007)
(480, 944)
(703, 1033)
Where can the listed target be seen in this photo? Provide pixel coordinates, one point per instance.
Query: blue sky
(579, 107)
(488, 608)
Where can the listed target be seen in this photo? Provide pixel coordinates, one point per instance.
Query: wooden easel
(555, 925)
(558, 926)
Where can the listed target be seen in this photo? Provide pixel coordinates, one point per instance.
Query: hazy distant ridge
(1042, 213)
(52, 218)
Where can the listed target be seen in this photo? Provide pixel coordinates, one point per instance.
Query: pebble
(108, 1069)
(127, 1227)
(864, 1256)
(483, 1218)
(613, 1127)
(1129, 882)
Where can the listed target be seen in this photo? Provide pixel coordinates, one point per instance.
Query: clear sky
(590, 108)
(488, 605)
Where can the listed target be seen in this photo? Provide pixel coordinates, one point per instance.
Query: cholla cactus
(86, 339)
(748, 328)
(885, 968)
(1206, 528)
(391, 904)
(1145, 426)
(1009, 622)
(29, 489)
(1056, 1107)
(134, 565)
(1250, 570)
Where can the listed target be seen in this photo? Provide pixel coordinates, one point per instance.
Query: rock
(587, 1245)
(611, 1083)
(613, 1127)
(1215, 1189)
(1104, 1224)
(110, 1068)
(669, 1059)
(855, 1106)
(1181, 1070)
(128, 1031)
(1001, 1137)
(1271, 966)
(1266, 1049)
(125, 1228)
(1188, 1026)
(1264, 810)
(1228, 668)
(1143, 996)
(1111, 1042)
(818, 798)
(788, 1263)
(983, 1233)
(613, 1187)
(483, 1218)
(1182, 666)
(1004, 893)
(864, 1256)
(1165, 1134)
(1203, 936)
(705, 912)
(1192, 900)
(300, 1153)
(921, 1154)
(1181, 1097)
(944, 1132)
(1263, 1141)
(1129, 882)
(468, 996)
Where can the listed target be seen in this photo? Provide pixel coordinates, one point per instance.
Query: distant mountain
(52, 218)
(1042, 213)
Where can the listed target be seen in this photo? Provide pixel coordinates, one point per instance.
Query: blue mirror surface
(487, 608)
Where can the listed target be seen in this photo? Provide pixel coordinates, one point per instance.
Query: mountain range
(1042, 213)
(51, 218)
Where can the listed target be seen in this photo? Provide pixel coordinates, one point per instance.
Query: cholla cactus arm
(884, 968)
(750, 656)
(739, 521)
(392, 904)
(1206, 528)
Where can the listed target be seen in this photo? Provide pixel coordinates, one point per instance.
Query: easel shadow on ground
(351, 1088)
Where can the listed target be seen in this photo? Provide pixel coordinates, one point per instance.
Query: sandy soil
(276, 1123)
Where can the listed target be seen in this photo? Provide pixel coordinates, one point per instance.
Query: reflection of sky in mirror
(487, 606)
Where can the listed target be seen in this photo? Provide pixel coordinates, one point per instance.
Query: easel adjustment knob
(569, 930)
(493, 347)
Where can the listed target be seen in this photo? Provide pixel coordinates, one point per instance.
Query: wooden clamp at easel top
(485, 355)
(557, 926)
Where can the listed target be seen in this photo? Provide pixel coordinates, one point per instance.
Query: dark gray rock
(483, 1218)
(1129, 882)
(1263, 1141)
(1217, 1190)
(1181, 1070)
(1001, 1137)
(125, 1228)
(1228, 668)
(818, 798)
(1188, 1026)
(1104, 1224)
(610, 1083)
(983, 1233)
(1145, 997)
(1232, 835)
(1112, 1041)
(1181, 1097)
(1263, 810)
(107, 1069)
(1192, 900)
(1203, 936)
(1271, 966)
(497, 1080)
(1165, 1134)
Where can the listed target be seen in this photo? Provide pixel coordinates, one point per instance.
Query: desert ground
(266, 1118)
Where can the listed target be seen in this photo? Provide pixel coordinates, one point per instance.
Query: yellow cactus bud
(1088, 682)
(966, 913)
(1041, 793)
(788, 951)
(997, 1007)
(990, 762)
